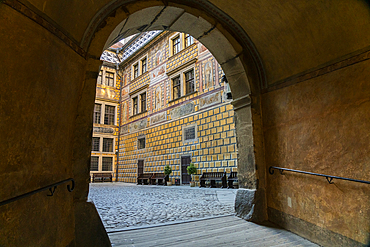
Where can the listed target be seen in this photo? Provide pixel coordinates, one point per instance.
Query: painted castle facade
(174, 110)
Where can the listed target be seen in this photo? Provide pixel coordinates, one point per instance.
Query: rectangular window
(109, 115)
(176, 87)
(143, 102)
(107, 164)
(143, 66)
(189, 133)
(97, 113)
(141, 143)
(176, 45)
(109, 79)
(94, 166)
(189, 81)
(188, 40)
(134, 106)
(107, 144)
(95, 144)
(136, 70)
(100, 76)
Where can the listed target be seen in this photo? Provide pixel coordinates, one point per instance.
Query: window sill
(186, 95)
(138, 114)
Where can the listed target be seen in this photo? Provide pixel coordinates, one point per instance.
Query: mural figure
(158, 97)
(158, 58)
(208, 75)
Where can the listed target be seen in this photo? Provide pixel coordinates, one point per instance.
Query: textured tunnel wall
(48, 70)
(321, 125)
(41, 81)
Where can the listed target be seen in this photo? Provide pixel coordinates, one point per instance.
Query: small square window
(94, 166)
(141, 143)
(107, 164)
(189, 133)
(95, 144)
(107, 144)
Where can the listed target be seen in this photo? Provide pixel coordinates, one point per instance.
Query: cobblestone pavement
(123, 205)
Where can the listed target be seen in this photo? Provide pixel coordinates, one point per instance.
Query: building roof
(127, 47)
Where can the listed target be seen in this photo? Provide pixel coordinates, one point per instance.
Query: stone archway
(240, 64)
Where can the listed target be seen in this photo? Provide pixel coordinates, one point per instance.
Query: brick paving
(123, 205)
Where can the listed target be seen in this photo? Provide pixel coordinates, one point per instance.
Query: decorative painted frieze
(106, 93)
(103, 130)
(182, 110)
(160, 117)
(138, 125)
(210, 100)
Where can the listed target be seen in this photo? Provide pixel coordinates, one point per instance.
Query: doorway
(140, 167)
(185, 162)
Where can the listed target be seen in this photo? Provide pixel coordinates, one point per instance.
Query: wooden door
(140, 167)
(185, 162)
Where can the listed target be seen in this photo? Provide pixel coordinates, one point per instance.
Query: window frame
(186, 81)
(135, 105)
(109, 116)
(135, 70)
(176, 37)
(109, 79)
(178, 85)
(139, 104)
(93, 146)
(96, 112)
(182, 75)
(100, 77)
(111, 163)
(144, 64)
(143, 102)
(104, 144)
(91, 162)
(185, 128)
(139, 141)
(186, 38)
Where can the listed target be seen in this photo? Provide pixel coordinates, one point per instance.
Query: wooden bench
(213, 177)
(144, 178)
(231, 178)
(102, 177)
(158, 179)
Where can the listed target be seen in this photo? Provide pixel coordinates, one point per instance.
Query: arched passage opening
(315, 108)
(237, 61)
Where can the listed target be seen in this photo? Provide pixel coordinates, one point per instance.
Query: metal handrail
(329, 178)
(51, 188)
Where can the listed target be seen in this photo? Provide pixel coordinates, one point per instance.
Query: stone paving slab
(123, 205)
(220, 231)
